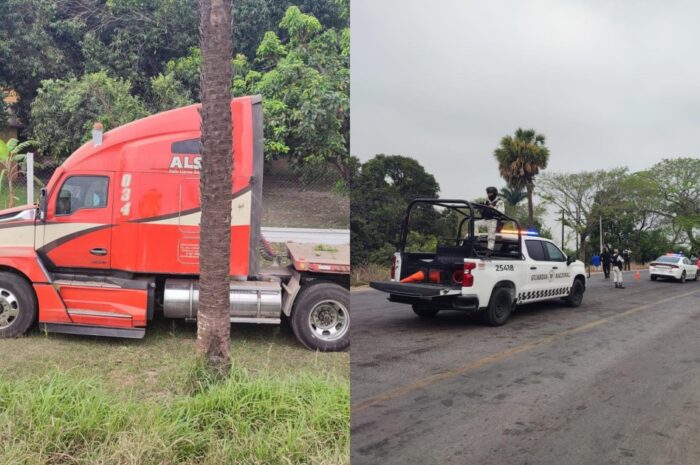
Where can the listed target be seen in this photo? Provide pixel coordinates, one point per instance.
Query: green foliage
(62, 418)
(379, 195)
(306, 93)
(169, 93)
(677, 199)
(64, 111)
(520, 159)
(305, 84)
(418, 242)
(12, 165)
(262, 16)
(4, 112)
(151, 45)
(650, 212)
(512, 197)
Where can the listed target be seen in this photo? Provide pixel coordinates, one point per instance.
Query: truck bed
(418, 290)
(320, 257)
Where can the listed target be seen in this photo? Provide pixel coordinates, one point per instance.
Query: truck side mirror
(570, 259)
(42, 205)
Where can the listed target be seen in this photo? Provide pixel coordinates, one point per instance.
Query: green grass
(361, 275)
(80, 400)
(19, 193)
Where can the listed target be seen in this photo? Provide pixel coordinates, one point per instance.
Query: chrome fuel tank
(251, 301)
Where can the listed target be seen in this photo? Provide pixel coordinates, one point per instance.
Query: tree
(213, 320)
(305, 84)
(512, 197)
(65, 111)
(11, 158)
(379, 195)
(577, 194)
(677, 184)
(520, 159)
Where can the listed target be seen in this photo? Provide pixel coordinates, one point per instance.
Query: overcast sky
(609, 83)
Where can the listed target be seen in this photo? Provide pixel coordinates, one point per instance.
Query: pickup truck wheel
(500, 307)
(425, 312)
(321, 317)
(17, 305)
(575, 294)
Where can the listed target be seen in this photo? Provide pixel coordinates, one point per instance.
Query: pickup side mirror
(570, 259)
(42, 205)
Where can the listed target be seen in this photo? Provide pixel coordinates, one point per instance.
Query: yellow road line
(497, 357)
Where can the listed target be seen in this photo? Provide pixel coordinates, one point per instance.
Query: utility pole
(562, 229)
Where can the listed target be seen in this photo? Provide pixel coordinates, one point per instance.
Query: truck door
(539, 271)
(561, 276)
(78, 228)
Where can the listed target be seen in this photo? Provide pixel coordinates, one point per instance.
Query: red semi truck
(116, 236)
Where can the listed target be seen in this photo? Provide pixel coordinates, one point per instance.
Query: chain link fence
(293, 196)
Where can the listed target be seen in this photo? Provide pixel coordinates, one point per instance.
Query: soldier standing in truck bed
(488, 220)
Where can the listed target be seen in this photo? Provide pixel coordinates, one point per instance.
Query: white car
(673, 266)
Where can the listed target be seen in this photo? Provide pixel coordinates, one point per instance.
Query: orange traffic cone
(416, 277)
(637, 275)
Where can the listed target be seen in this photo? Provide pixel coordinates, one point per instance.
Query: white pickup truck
(460, 273)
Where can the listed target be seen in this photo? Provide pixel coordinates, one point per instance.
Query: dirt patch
(295, 207)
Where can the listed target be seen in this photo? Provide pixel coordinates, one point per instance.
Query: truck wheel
(17, 305)
(425, 312)
(575, 294)
(500, 307)
(321, 317)
(653, 277)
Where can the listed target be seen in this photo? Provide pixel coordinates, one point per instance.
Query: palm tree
(11, 158)
(520, 159)
(213, 323)
(512, 196)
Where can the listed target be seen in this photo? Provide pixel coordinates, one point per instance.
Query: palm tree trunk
(213, 324)
(530, 210)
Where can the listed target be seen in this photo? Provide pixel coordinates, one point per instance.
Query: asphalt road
(615, 381)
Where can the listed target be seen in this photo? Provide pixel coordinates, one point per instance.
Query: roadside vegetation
(76, 62)
(651, 212)
(79, 400)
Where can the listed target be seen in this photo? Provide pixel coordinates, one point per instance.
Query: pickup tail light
(393, 268)
(468, 277)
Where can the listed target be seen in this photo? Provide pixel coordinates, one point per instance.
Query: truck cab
(444, 262)
(116, 235)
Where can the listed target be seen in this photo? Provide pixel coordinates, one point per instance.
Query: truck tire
(321, 317)
(425, 312)
(17, 305)
(575, 294)
(500, 307)
(653, 277)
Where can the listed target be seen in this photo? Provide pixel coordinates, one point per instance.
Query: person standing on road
(488, 220)
(595, 261)
(605, 257)
(626, 255)
(618, 263)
